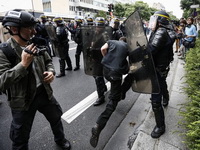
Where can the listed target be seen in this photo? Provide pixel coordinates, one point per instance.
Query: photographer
(27, 81)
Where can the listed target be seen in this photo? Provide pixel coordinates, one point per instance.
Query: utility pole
(33, 8)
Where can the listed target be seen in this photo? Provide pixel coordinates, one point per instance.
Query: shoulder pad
(159, 37)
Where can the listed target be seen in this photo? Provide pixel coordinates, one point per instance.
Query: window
(72, 8)
(47, 7)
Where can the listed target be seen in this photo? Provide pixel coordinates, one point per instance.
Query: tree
(144, 10)
(125, 10)
(101, 14)
(119, 10)
(185, 5)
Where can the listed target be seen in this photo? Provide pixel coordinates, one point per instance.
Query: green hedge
(192, 114)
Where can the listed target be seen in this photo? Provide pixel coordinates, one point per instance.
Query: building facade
(73, 8)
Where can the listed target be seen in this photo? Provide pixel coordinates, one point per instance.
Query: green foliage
(119, 10)
(185, 6)
(125, 10)
(101, 14)
(192, 114)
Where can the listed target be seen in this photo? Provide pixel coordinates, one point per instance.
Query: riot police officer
(62, 46)
(117, 33)
(161, 46)
(78, 40)
(90, 21)
(99, 80)
(41, 30)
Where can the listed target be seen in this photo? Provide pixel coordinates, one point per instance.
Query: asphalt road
(69, 91)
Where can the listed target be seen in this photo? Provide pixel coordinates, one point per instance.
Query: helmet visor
(153, 22)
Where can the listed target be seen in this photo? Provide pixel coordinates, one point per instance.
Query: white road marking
(73, 48)
(79, 108)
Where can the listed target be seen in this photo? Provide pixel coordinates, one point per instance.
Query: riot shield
(142, 68)
(94, 37)
(51, 31)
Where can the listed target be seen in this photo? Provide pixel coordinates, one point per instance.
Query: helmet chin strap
(25, 40)
(11, 33)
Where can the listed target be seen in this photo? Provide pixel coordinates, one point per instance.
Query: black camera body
(40, 43)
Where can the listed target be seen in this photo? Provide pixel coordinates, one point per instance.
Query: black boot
(159, 129)
(69, 69)
(62, 68)
(64, 144)
(95, 135)
(101, 88)
(165, 102)
(69, 64)
(99, 101)
(157, 132)
(77, 57)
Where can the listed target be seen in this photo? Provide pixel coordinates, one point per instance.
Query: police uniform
(116, 31)
(161, 46)
(42, 32)
(62, 46)
(99, 80)
(78, 40)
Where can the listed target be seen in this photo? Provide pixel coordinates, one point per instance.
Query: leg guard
(77, 57)
(159, 129)
(62, 68)
(159, 114)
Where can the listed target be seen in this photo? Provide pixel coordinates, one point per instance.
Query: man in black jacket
(115, 65)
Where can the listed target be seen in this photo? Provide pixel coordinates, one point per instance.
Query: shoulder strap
(9, 52)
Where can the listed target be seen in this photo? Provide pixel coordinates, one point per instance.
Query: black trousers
(156, 101)
(22, 120)
(100, 85)
(114, 97)
(157, 98)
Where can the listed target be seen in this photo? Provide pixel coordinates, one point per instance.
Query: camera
(40, 44)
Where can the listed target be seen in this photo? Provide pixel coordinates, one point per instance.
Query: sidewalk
(134, 131)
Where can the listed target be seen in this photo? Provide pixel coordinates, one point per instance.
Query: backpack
(11, 56)
(9, 52)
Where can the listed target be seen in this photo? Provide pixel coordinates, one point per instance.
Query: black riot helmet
(58, 20)
(163, 17)
(18, 19)
(79, 21)
(100, 21)
(43, 18)
(90, 21)
(114, 23)
(159, 17)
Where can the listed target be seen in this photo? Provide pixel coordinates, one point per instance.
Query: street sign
(194, 6)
